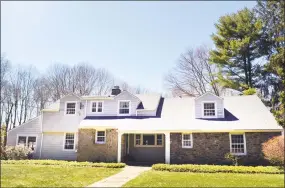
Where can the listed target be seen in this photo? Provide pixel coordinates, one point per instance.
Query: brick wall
(210, 148)
(88, 150)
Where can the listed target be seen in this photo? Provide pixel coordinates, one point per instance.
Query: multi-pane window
(137, 139)
(97, 107)
(70, 107)
(145, 140)
(237, 144)
(69, 141)
(209, 109)
(100, 137)
(124, 107)
(187, 141)
(28, 141)
(159, 140)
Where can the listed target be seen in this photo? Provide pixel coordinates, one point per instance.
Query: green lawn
(187, 179)
(52, 176)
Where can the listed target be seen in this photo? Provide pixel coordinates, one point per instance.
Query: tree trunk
(245, 69)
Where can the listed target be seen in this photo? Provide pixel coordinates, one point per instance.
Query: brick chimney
(116, 90)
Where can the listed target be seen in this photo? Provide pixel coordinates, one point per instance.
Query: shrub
(233, 158)
(65, 163)
(17, 152)
(273, 150)
(217, 168)
(250, 91)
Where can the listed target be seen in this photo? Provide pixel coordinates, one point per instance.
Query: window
(97, 107)
(100, 137)
(187, 141)
(148, 140)
(209, 109)
(69, 141)
(137, 139)
(237, 144)
(124, 107)
(70, 107)
(159, 140)
(28, 141)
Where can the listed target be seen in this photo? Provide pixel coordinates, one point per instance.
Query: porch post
(119, 147)
(167, 148)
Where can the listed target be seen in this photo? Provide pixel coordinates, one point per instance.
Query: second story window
(70, 108)
(97, 107)
(209, 109)
(124, 107)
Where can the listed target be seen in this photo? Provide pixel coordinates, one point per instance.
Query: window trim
(27, 135)
(105, 136)
(191, 139)
(148, 146)
(130, 107)
(216, 109)
(64, 136)
(96, 107)
(244, 143)
(65, 108)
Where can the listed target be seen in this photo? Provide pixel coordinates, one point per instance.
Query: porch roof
(169, 125)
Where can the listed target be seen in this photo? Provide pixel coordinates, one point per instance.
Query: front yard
(24, 175)
(189, 179)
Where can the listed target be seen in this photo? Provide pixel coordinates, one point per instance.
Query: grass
(52, 176)
(188, 179)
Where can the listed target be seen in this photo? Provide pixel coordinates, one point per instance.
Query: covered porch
(143, 147)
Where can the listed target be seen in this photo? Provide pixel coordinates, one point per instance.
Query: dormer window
(124, 107)
(97, 107)
(70, 108)
(209, 109)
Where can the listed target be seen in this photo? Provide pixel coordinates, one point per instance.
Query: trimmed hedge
(64, 163)
(217, 168)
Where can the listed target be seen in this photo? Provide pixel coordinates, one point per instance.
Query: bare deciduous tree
(193, 74)
(134, 90)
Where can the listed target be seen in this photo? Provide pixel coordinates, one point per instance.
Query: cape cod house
(149, 128)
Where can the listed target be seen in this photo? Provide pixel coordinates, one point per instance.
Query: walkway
(117, 180)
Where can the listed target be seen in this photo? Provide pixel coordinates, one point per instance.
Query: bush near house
(64, 163)
(217, 168)
(273, 150)
(16, 153)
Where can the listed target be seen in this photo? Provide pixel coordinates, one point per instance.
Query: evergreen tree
(273, 44)
(237, 43)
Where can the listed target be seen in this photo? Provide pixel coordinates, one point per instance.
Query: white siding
(59, 121)
(53, 147)
(209, 97)
(32, 128)
(110, 106)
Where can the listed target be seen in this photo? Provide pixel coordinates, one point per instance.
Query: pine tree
(273, 44)
(237, 43)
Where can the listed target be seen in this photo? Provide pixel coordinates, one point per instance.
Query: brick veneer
(88, 150)
(210, 148)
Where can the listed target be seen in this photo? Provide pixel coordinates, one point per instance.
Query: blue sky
(138, 42)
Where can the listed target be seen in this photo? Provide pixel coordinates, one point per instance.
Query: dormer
(209, 106)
